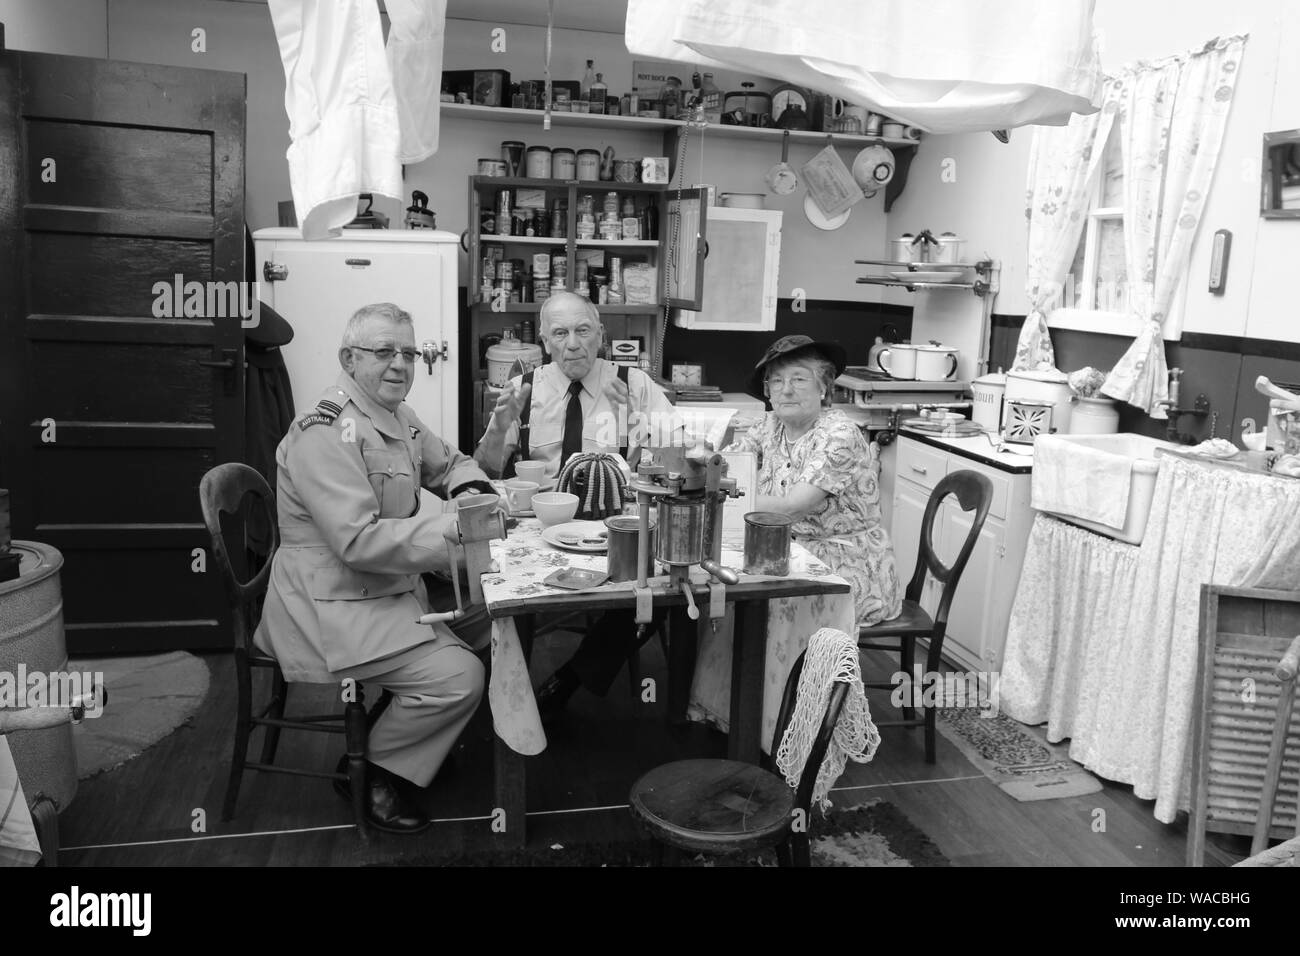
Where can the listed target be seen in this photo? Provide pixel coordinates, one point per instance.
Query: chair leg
(931, 713)
(906, 659)
(243, 725)
(355, 733)
(800, 853)
(279, 699)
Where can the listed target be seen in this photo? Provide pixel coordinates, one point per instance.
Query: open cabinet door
(687, 220)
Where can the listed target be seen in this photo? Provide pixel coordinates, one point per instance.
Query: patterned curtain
(1172, 116)
(1063, 164)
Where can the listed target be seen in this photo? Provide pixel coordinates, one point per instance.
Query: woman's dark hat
(785, 347)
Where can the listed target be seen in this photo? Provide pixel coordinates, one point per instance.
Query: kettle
(418, 214)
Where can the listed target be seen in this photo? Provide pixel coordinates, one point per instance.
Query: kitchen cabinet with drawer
(981, 607)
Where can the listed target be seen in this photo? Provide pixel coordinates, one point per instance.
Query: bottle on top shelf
(597, 94)
(712, 99)
(587, 79)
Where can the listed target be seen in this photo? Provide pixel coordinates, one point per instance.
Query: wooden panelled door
(117, 178)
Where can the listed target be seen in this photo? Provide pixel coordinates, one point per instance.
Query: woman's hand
(801, 500)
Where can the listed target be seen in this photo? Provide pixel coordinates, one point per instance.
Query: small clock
(787, 96)
(686, 373)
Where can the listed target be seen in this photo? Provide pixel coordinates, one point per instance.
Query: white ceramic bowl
(554, 507)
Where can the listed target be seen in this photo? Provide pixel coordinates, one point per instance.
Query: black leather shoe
(553, 695)
(386, 808)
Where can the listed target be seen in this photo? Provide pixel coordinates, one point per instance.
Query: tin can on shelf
(505, 269)
(627, 170)
(504, 198)
(631, 228)
(518, 218)
(588, 165)
(563, 163)
(559, 265)
(489, 267)
(586, 227)
(541, 263)
(538, 162)
(491, 167)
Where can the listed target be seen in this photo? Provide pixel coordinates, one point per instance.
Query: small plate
(584, 537)
(926, 276)
(576, 579)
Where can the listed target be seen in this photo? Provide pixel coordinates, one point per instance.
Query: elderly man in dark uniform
(343, 598)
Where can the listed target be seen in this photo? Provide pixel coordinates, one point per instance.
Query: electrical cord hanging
(670, 271)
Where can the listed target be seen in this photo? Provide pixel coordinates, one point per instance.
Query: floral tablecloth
(524, 560)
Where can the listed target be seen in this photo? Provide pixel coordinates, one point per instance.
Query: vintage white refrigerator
(317, 285)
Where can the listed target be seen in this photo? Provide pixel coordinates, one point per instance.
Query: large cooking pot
(1050, 385)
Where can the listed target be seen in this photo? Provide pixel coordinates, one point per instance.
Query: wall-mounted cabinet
(741, 272)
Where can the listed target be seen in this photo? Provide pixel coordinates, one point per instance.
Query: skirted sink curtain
(1172, 114)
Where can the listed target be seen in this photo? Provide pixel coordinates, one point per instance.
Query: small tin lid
(588, 152)
(992, 378)
(563, 149)
(539, 149)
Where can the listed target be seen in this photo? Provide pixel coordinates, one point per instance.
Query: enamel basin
(1074, 453)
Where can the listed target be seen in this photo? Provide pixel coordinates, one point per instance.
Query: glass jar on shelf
(670, 97)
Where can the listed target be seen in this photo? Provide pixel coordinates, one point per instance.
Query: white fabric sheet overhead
(946, 66)
(353, 120)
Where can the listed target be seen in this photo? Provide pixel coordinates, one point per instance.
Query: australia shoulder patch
(316, 418)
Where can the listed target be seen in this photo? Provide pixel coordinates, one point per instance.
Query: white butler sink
(1076, 476)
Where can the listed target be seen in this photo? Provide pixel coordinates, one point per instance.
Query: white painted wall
(986, 203)
(67, 27)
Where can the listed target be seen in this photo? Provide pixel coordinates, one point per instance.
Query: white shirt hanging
(415, 38)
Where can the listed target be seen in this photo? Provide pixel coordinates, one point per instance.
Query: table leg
(683, 640)
(510, 788)
(748, 658)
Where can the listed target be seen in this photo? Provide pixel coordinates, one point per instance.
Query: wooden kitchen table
(761, 645)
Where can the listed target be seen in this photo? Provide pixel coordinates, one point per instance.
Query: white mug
(519, 494)
(531, 471)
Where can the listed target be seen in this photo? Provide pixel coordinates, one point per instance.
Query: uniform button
(365, 591)
(390, 469)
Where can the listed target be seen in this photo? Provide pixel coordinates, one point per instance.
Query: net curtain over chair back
(946, 66)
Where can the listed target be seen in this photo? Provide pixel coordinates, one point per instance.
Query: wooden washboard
(1244, 633)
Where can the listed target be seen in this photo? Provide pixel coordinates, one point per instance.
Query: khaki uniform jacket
(343, 583)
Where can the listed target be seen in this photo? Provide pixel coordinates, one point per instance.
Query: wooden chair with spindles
(223, 491)
(729, 807)
(973, 493)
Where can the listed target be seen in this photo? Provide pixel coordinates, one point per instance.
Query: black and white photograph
(628, 434)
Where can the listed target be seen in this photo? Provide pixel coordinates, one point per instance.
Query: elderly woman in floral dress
(815, 466)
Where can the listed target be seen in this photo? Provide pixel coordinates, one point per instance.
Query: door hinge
(274, 272)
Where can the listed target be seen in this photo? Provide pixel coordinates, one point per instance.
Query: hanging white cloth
(831, 658)
(947, 66)
(1063, 165)
(1172, 116)
(415, 38)
(343, 115)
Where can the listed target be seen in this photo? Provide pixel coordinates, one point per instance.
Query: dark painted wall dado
(1221, 367)
(729, 357)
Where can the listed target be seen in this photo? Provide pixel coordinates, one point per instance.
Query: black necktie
(572, 424)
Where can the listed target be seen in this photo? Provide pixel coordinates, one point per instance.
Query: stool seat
(720, 806)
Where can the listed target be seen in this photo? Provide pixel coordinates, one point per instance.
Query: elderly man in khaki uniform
(342, 601)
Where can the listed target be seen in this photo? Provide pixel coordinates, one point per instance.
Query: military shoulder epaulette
(326, 412)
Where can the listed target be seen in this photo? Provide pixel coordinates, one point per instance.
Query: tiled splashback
(1223, 368)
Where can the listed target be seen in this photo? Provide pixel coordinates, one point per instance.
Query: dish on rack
(919, 276)
(584, 537)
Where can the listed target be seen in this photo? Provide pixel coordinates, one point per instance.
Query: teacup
(519, 494)
(554, 507)
(531, 471)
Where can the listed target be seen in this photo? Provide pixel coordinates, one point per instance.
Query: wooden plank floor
(164, 807)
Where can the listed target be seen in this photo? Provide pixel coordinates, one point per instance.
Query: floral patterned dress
(845, 530)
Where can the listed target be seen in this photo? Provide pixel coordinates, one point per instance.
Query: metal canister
(588, 165)
(504, 198)
(624, 538)
(491, 167)
(559, 265)
(541, 263)
(680, 538)
(627, 170)
(563, 163)
(505, 269)
(541, 222)
(767, 543)
(538, 162)
(517, 221)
